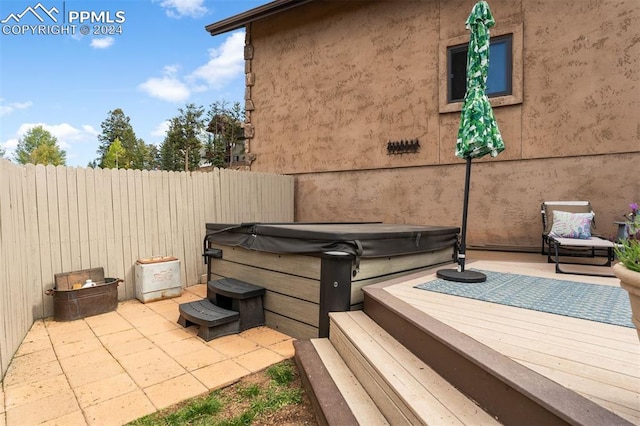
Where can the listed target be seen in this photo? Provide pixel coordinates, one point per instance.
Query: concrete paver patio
(112, 368)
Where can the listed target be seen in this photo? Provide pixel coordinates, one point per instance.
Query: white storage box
(158, 278)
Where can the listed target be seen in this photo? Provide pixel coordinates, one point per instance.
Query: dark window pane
(457, 73)
(499, 74)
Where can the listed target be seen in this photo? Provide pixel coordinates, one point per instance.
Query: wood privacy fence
(62, 219)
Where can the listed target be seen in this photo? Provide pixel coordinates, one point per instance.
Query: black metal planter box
(72, 302)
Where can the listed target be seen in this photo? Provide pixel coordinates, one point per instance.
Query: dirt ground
(235, 405)
(290, 415)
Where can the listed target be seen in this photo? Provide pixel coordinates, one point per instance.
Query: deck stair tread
(385, 367)
(205, 313)
(235, 289)
(362, 406)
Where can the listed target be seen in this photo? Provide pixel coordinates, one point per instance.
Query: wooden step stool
(238, 296)
(213, 320)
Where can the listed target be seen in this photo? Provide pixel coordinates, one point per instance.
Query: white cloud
(180, 8)
(161, 129)
(65, 133)
(171, 69)
(102, 43)
(168, 88)
(9, 146)
(225, 62)
(6, 109)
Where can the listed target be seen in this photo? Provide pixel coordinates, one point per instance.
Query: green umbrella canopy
(478, 134)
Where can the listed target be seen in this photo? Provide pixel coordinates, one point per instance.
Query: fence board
(73, 227)
(110, 263)
(92, 214)
(217, 197)
(45, 250)
(83, 224)
(117, 256)
(6, 230)
(125, 210)
(190, 231)
(54, 220)
(16, 295)
(103, 203)
(160, 215)
(166, 214)
(5, 349)
(57, 219)
(197, 232)
(139, 234)
(24, 297)
(33, 241)
(63, 219)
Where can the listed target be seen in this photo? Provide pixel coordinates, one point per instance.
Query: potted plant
(628, 267)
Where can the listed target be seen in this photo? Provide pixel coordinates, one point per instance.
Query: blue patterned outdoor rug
(573, 299)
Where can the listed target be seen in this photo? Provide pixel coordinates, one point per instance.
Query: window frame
(497, 100)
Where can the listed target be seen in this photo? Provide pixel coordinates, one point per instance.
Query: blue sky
(162, 60)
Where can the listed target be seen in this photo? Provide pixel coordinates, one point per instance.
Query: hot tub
(311, 269)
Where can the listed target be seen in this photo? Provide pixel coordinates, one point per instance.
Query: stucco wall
(333, 82)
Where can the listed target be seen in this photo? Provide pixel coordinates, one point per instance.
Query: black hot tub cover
(362, 240)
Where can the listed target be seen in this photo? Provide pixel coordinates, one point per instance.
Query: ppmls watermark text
(57, 20)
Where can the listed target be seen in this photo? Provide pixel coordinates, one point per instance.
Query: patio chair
(569, 232)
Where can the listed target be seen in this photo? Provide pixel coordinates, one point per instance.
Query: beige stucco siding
(504, 202)
(582, 72)
(333, 82)
(338, 88)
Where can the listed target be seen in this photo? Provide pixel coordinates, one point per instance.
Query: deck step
(379, 380)
(213, 320)
(406, 390)
(337, 396)
(329, 405)
(356, 397)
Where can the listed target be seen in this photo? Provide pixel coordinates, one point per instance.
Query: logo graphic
(34, 12)
(41, 20)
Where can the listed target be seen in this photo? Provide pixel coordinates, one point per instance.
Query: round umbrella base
(461, 276)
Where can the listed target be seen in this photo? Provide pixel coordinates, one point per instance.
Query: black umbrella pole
(465, 209)
(460, 275)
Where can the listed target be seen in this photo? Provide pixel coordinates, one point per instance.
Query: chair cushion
(571, 225)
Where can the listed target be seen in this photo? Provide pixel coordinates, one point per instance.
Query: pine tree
(181, 148)
(170, 156)
(117, 125)
(225, 126)
(192, 124)
(114, 156)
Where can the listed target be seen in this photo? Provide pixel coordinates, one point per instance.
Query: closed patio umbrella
(478, 134)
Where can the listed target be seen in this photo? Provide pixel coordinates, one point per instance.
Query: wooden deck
(599, 361)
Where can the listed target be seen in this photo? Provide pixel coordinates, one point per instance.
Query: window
(504, 82)
(499, 75)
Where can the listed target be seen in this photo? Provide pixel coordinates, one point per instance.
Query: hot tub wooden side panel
(290, 327)
(375, 267)
(292, 264)
(293, 282)
(291, 303)
(296, 309)
(290, 285)
(373, 271)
